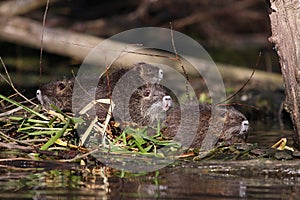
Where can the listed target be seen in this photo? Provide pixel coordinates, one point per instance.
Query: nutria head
(235, 127)
(149, 73)
(149, 104)
(58, 93)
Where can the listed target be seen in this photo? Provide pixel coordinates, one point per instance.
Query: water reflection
(190, 179)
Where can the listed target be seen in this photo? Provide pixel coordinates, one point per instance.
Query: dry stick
(109, 112)
(9, 81)
(42, 37)
(12, 139)
(244, 85)
(181, 65)
(111, 106)
(8, 113)
(82, 156)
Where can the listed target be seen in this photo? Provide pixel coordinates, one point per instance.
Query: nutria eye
(147, 93)
(61, 86)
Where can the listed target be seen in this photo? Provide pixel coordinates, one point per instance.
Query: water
(185, 179)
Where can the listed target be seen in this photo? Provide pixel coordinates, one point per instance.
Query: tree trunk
(285, 25)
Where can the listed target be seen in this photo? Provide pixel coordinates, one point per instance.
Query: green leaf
(138, 138)
(148, 148)
(56, 136)
(24, 107)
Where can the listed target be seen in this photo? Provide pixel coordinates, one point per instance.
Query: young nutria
(59, 93)
(226, 125)
(149, 104)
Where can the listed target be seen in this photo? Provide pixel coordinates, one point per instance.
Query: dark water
(185, 179)
(188, 181)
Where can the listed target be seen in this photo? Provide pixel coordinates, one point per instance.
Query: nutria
(149, 104)
(227, 125)
(59, 93)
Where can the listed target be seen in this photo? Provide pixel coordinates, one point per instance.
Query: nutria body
(226, 124)
(215, 124)
(60, 93)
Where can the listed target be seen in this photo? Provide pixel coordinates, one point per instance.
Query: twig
(244, 85)
(181, 65)
(79, 157)
(239, 104)
(42, 37)
(236, 93)
(10, 111)
(12, 139)
(15, 146)
(173, 42)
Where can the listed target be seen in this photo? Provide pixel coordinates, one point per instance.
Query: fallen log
(77, 46)
(19, 7)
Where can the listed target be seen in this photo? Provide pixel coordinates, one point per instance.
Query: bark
(285, 26)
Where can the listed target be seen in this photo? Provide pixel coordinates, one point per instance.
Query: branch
(28, 32)
(19, 7)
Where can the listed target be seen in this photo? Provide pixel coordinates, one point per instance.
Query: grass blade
(56, 136)
(24, 107)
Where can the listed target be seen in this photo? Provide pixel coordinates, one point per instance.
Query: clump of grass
(34, 127)
(138, 140)
(55, 131)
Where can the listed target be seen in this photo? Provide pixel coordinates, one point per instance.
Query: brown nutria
(225, 125)
(149, 104)
(59, 93)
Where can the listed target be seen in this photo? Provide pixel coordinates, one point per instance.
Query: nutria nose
(244, 127)
(167, 102)
(160, 74)
(39, 96)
